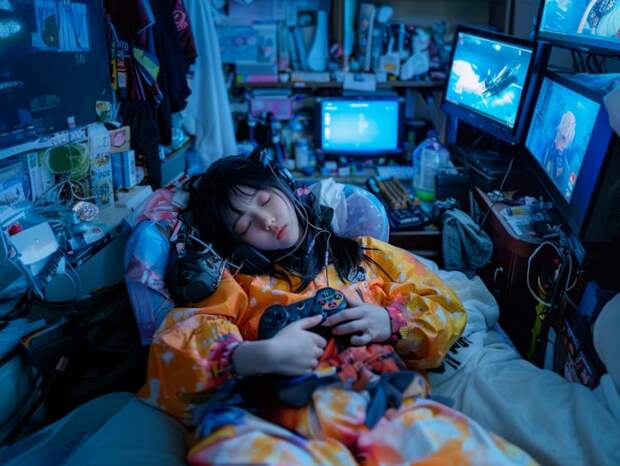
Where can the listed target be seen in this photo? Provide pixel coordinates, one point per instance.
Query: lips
(280, 232)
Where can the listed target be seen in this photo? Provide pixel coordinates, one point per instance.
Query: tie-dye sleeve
(191, 351)
(426, 315)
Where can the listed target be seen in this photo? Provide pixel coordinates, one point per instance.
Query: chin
(287, 243)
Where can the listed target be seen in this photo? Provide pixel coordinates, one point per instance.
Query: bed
(557, 422)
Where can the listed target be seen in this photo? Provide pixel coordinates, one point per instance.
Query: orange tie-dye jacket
(186, 353)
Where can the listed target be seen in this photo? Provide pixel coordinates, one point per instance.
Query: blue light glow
(560, 132)
(487, 76)
(9, 28)
(585, 21)
(359, 125)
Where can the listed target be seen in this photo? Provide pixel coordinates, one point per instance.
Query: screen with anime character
(560, 132)
(488, 76)
(359, 125)
(586, 22)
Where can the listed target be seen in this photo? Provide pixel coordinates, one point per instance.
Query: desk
(425, 242)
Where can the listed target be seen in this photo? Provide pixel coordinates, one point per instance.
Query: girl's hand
(295, 350)
(370, 323)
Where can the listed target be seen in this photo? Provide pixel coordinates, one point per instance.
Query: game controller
(326, 302)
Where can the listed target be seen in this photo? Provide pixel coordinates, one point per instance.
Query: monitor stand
(490, 162)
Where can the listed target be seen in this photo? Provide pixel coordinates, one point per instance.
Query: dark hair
(210, 202)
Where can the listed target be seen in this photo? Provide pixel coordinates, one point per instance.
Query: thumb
(310, 322)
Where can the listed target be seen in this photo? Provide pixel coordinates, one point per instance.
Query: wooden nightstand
(506, 274)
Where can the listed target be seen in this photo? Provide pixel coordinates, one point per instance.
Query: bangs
(229, 193)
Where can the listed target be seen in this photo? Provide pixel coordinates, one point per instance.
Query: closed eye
(246, 228)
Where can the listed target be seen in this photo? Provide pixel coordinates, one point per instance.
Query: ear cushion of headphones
(251, 260)
(264, 156)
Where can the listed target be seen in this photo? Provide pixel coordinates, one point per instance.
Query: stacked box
(124, 169)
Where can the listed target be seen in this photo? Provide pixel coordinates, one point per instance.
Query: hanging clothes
(172, 78)
(208, 116)
(136, 68)
(152, 49)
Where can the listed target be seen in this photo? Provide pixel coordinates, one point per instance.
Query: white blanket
(556, 421)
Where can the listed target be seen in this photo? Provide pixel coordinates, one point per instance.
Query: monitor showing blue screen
(587, 23)
(487, 76)
(559, 133)
(359, 126)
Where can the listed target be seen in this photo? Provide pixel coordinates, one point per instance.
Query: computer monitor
(489, 81)
(365, 126)
(54, 67)
(572, 143)
(589, 25)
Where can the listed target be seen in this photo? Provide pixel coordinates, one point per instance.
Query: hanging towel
(208, 115)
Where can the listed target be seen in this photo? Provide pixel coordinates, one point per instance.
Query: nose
(268, 222)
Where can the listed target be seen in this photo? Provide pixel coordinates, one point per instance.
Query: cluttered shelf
(438, 84)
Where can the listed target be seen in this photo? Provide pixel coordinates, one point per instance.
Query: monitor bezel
(578, 43)
(318, 133)
(478, 120)
(576, 212)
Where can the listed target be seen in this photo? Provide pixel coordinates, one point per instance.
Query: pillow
(357, 212)
(146, 258)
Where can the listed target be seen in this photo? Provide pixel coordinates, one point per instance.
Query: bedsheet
(556, 421)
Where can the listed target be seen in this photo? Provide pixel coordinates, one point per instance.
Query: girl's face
(267, 219)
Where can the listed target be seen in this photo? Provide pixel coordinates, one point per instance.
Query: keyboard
(403, 213)
(400, 172)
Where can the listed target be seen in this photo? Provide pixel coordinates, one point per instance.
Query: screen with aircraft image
(560, 132)
(488, 76)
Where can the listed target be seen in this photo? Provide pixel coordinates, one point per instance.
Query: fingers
(354, 299)
(309, 322)
(319, 340)
(350, 327)
(342, 316)
(359, 340)
(311, 363)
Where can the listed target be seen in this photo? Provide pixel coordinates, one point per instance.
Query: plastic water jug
(428, 158)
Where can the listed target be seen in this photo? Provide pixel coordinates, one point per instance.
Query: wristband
(397, 320)
(220, 357)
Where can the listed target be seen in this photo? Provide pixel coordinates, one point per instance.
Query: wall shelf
(338, 85)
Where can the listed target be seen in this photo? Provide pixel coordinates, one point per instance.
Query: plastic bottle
(428, 158)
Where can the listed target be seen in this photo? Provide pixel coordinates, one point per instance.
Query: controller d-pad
(272, 321)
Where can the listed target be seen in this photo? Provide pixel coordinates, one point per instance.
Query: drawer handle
(499, 271)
